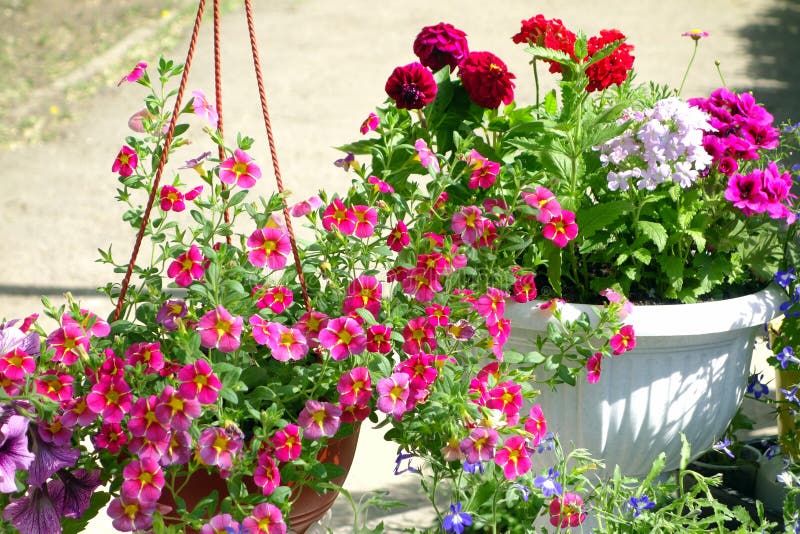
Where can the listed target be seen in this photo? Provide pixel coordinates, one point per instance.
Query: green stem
(689, 66)
(536, 82)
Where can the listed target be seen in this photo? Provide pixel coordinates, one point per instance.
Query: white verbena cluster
(664, 143)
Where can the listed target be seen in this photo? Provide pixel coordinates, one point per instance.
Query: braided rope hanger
(221, 151)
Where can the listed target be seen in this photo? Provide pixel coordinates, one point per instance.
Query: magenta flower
(363, 292)
(56, 386)
(179, 450)
(239, 170)
(203, 108)
(513, 457)
(129, 515)
(171, 199)
(561, 228)
(411, 86)
(623, 341)
(379, 339)
(567, 512)
(469, 223)
(398, 239)
(143, 480)
(439, 45)
(286, 443)
(169, 312)
(355, 387)
(218, 446)
(221, 524)
(197, 381)
(366, 219)
(135, 74)
(53, 431)
(276, 298)
(16, 365)
(343, 336)
(111, 398)
(69, 342)
(427, 157)
(284, 342)
(144, 421)
(393, 392)
(696, 35)
(305, 207)
(370, 123)
(745, 193)
(175, 411)
(14, 453)
(418, 336)
(318, 419)
(269, 246)
(266, 474)
(265, 519)
(593, 368)
(543, 200)
(337, 215)
(380, 185)
(220, 330)
(110, 437)
(148, 355)
(536, 424)
(187, 267)
(524, 289)
(484, 172)
(507, 398)
(126, 162)
(479, 445)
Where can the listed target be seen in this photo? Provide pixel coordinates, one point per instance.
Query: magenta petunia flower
(379, 339)
(543, 200)
(218, 446)
(593, 368)
(286, 443)
(220, 330)
(69, 342)
(126, 162)
(479, 445)
(16, 365)
(305, 207)
(339, 216)
(418, 336)
(265, 519)
(426, 156)
(171, 199)
(524, 288)
(266, 474)
(144, 421)
(561, 228)
(203, 108)
(343, 336)
(507, 398)
(366, 219)
(379, 185)
(14, 453)
(77, 413)
(110, 437)
(130, 515)
(135, 74)
(239, 170)
(393, 392)
(567, 512)
(513, 457)
(623, 341)
(143, 480)
(187, 267)
(276, 298)
(198, 381)
(398, 238)
(411, 86)
(484, 172)
(179, 451)
(363, 292)
(148, 355)
(469, 223)
(111, 398)
(486, 79)
(220, 524)
(355, 387)
(370, 123)
(536, 424)
(169, 312)
(56, 386)
(439, 45)
(284, 342)
(176, 411)
(318, 419)
(54, 431)
(269, 246)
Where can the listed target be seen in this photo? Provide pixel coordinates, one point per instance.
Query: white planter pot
(686, 375)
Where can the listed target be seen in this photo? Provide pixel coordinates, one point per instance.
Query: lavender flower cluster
(666, 145)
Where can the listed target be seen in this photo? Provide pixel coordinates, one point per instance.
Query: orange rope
(218, 97)
(273, 151)
(165, 151)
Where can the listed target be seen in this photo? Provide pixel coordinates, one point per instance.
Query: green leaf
(596, 217)
(74, 526)
(551, 102)
(553, 255)
(642, 255)
(655, 232)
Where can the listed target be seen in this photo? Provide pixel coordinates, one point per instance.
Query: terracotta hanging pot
(309, 506)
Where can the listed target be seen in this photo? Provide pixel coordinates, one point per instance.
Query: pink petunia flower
(187, 267)
(198, 381)
(265, 519)
(479, 445)
(380, 185)
(239, 170)
(536, 424)
(135, 74)
(524, 289)
(427, 157)
(171, 199)
(203, 108)
(561, 228)
(220, 330)
(110, 437)
(176, 411)
(219, 446)
(393, 394)
(593, 368)
(379, 339)
(270, 247)
(355, 387)
(567, 511)
(366, 219)
(319, 419)
(131, 515)
(398, 238)
(305, 207)
(266, 474)
(543, 200)
(286, 343)
(220, 524)
(286, 443)
(469, 223)
(513, 457)
(340, 217)
(484, 172)
(363, 292)
(623, 341)
(111, 398)
(126, 162)
(69, 342)
(147, 354)
(370, 123)
(143, 480)
(144, 421)
(343, 336)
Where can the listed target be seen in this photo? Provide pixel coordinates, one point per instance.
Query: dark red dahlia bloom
(550, 33)
(614, 68)
(486, 79)
(411, 86)
(440, 45)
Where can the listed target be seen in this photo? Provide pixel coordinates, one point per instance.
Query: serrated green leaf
(642, 255)
(593, 218)
(653, 231)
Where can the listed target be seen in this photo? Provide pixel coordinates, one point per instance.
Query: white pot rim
(658, 320)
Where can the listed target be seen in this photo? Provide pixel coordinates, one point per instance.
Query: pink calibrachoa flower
(524, 289)
(484, 172)
(143, 480)
(145, 448)
(513, 457)
(286, 443)
(265, 519)
(304, 207)
(135, 74)
(355, 387)
(266, 474)
(353, 413)
(426, 156)
(69, 342)
(418, 336)
(218, 446)
(144, 421)
(626, 305)
(126, 162)
(53, 431)
(77, 413)
(366, 219)
(56, 386)
(393, 394)
(173, 200)
(379, 339)
(147, 354)
(363, 292)
(276, 298)
(203, 108)
(370, 123)
(438, 315)
(318, 419)
(130, 514)
(311, 324)
(469, 223)
(15, 365)
(536, 424)
(623, 341)
(198, 381)
(285, 343)
(479, 445)
(398, 238)
(187, 267)
(380, 185)
(567, 512)
(491, 305)
(220, 330)
(452, 451)
(561, 228)
(343, 336)
(89, 322)
(543, 200)
(110, 437)
(461, 330)
(175, 410)
(221, 524)
(111, 398)
(268, 246)
(340, 217)
(593, 368)
(506, 397)
(169, 312)
(239, 170)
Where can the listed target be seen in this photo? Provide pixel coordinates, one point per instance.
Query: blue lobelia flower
(640, 504)
(786, 356)
(724, 446)
(548, 483)
(784, 278)
(456, 520)
(755, 387)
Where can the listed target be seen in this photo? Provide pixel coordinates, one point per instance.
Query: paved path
(326, 63)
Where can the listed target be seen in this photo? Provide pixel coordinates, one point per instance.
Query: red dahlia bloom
(486, 79)
(549, 33)
(440, 45)
(411, 86)
(613, 69)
